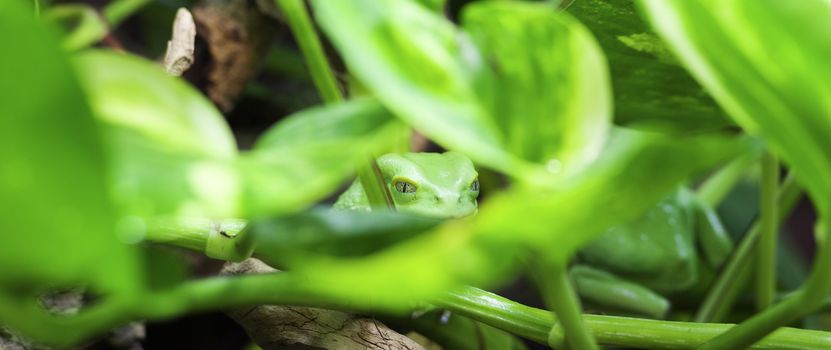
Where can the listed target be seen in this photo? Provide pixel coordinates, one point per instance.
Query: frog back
(354, 198)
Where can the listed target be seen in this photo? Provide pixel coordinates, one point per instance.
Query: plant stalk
(716, 187)
(306, 36)
(559, 295)
(219, 239)
(728, 284)
(117, 11)
(806, 299)
(766, 248)
(625, 332)
(376, 190)
(327, 86)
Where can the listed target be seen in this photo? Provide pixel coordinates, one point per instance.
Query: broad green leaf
(401, 277)
(170, 150)
(766, 63)
(651, 88)
(287, 240)
(58, 223)
(308, 155)
(523, 89)
(634, 172)
(546, 86)
(419, 65)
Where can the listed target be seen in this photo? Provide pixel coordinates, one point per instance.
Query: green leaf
(634, 172)
(170, 150)
(308, 155)
(419, 65)
(651, 88)
(766, 63)
(546, 86)
(58, 224)
(401, 277)
(288, 240)
(523, 89)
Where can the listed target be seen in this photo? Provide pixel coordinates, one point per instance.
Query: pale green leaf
(420, 66)
(523, 89)
(57, 225)
(546, 86)
(170, 150)
(305, 157)
(766, 63)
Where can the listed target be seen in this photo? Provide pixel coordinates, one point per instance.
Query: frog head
(443, 185)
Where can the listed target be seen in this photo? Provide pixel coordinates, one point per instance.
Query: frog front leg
(713, 240)
(602, 288)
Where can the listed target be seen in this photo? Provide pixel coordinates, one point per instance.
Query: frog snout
(454, 206)
(448, 199)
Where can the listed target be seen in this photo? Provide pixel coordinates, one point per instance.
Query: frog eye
(404, 186)
(474, 186)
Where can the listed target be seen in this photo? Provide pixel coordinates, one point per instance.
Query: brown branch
(236, 35)
(179, 55)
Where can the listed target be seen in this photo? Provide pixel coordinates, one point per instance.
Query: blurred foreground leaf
(402, 276)
(412, 60)
(57, 223)
(288, 240)
(546, 85)
(173, 154)
(493, 93)
(170, 150)
(309, 154)
(634, 172)
(766, 63)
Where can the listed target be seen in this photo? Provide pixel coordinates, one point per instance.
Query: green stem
(534, 324)
(716, 187)
(324, 79)
(728, 284)
(219, 239)
(376, 190)
(810, 296)
(486, 307)
(117, 11)
(88, 27)
(766, 248)
(559, 296)
(307, 39)
(288, 289)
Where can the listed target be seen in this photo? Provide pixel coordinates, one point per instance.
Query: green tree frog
(628, 268)
(632, 267)
(441, 185)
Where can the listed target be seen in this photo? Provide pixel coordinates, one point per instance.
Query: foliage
(652, 89)
(99, 147)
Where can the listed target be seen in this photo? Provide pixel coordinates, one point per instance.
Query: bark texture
(236, 35)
